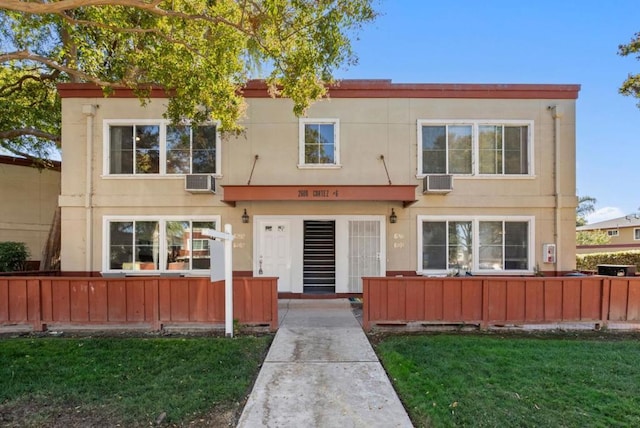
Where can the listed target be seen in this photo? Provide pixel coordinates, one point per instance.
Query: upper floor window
(503, 149)
(157, 147)
(446, 149)
(319, 142)
(474, 148)
(134, 149)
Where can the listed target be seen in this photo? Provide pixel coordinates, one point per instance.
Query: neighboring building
(381, 179)
(623, 233)
(29, 198)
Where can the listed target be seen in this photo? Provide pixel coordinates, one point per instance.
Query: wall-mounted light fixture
(393, 218)
(245, 216)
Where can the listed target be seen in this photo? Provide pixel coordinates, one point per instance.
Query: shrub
(590, 262)
(13, 256)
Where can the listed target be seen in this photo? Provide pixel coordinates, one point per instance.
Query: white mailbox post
(222, 268)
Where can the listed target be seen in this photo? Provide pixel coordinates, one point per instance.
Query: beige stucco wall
(29, 199)
(368, 128)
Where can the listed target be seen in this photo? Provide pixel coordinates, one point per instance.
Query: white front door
(273, 257)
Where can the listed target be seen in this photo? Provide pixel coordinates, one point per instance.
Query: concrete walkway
(322, 372)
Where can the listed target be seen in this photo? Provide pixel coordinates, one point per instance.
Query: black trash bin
(617, 270)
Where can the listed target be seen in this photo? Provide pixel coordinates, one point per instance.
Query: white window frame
(475, 144)
(636, 234)
(613, 232)
(301, 143)
(475, 220)
(162, 249)
(162, 123)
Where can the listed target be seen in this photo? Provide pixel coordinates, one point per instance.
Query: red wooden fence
(498, 301)
(134, 301)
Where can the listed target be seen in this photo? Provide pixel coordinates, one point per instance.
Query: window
(503, 149)
(474, 148)
(144, 244)
(134, 149)
(612, 232)
(474, 244)
(159, 148)
(319, 143)
(636, 234)
(503, 245)
(191, 150)
(447, 245)
(446, 149)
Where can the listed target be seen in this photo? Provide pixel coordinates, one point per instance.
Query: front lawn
(488, 380)
(127, 381)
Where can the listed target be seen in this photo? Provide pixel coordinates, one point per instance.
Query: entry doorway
(274, 252)
(319, 256)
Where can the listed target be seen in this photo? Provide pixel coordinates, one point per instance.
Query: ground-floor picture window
(480, 245)
(163, 244)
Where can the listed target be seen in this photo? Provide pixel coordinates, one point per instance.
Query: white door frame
(296, 245)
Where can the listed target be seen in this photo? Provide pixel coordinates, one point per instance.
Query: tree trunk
(51, 253)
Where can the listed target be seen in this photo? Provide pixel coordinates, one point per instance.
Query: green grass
(516, 381)
(128, 380)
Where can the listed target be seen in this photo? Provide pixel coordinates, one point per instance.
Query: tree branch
(18, 84)
(21, 132)
(40, 8)
(25, 55)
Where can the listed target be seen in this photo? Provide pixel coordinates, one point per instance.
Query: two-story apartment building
(380, 179)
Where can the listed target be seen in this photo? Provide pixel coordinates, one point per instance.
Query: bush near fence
(590, 262)
(13, 256)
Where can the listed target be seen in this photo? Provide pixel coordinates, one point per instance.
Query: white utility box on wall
(549, 253)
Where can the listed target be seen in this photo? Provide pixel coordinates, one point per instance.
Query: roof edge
(368, 88)
(11, 160)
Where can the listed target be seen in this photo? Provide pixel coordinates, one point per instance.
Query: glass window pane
(490, 246)
(178, 149)
(121, 150)
(460, 245)
(147, 242)
(201, 258)
(147, 149)
(319, 143)
(178, 252)
(516, 245)
(121, 245)
(434, 245)
(459, 149)
(490, 149)
(516, 150)
(434, 150)
(204, 150)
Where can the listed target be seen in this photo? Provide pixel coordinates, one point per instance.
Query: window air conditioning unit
(199, 183)
(438, 183)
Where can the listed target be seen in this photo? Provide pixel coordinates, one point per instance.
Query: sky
(536, 41)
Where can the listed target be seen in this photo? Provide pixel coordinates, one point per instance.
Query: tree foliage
(201, 51)
(586, 206)
(592, 237)
(631, 86)
(13, 256)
